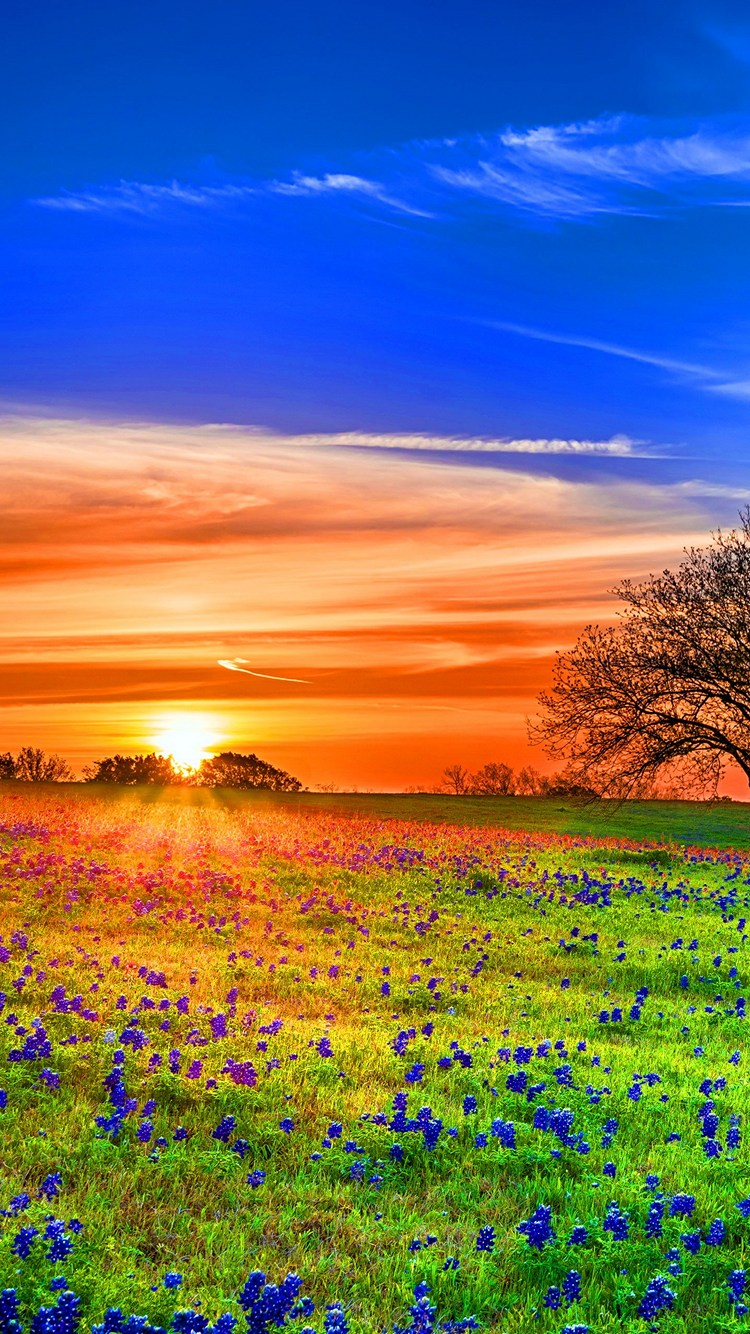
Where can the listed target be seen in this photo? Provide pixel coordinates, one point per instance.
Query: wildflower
(571, 1286)
(224, 1129)
(658, 1297)
(616, 1222)
(681, 1206)
(553, 1299)
(538, 1228)
(716, 1233)
(172, 1280)
(579, 1236)
(23, 1242)
(486, 1239)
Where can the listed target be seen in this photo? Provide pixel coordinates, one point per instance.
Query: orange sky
(421, 598)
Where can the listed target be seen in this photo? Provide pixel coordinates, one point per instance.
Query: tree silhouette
(230, 769)
(666, 690)
(32, 765)
(455, 779)
(492, 780)
(132, 769)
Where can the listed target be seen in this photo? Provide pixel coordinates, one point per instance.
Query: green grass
(308, 907)
(719, 824)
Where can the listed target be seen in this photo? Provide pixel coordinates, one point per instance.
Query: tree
(492, 780)
(33, 765)
(132, 769)
(7, 766)
(455, 779)
(529, 782)
(665, 691)
(244, 771)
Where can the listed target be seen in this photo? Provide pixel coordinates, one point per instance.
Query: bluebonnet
(579, 1235)
(267, 1304)
(256, 1178)
(571, 1286)
(486, 1239)
(658, 1297)
(172, 1280)
(681, 1206)
(61, 1244)
(553, 1299)
(716, 1233)
(23, 1241)
(505, 1132)
(50, 1186)
(691, 1241)
(653, 1224)
(616, 1222)
(334, 1320)
(538, 1228)
(736, 1281)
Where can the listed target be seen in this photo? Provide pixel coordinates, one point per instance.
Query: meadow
(360, 1064)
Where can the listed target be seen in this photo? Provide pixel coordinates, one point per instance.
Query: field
(450, 1072)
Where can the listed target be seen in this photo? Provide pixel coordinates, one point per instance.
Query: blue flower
(486, 1239)
(658, 1297)
(538, 1228)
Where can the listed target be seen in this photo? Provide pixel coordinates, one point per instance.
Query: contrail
(233, 665)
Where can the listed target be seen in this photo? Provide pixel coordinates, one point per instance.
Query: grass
(719, 824)
(462, 951)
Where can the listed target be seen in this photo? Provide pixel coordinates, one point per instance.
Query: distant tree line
(497, 779)
(229, 769)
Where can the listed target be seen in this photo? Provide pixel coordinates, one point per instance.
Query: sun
(186, 738)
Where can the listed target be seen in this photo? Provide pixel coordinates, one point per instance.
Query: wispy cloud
(620, 446)
(612, 165)
(137, 197)
(239, 665)
(691, 369)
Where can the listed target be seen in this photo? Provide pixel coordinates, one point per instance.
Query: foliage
(225, 770)
(133, 769)
(433, 1077)
(32, 765)
(244, 771)
(666, 690)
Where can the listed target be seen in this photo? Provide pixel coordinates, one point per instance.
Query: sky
(361, 346)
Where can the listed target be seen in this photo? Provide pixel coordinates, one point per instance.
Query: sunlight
(187, 738)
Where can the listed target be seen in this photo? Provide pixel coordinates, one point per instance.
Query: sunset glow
(186, 738)
(342, 381)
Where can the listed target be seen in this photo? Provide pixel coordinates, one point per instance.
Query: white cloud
(621, 446)
(613, 165)
(688, 368)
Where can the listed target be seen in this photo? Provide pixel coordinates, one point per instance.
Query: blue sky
(482, 219)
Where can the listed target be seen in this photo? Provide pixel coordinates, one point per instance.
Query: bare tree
(492, 780)
(455, 779)
(665, 691)
(528, 782)
(33, 765)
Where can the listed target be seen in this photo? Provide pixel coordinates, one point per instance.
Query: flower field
(270, 1069)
